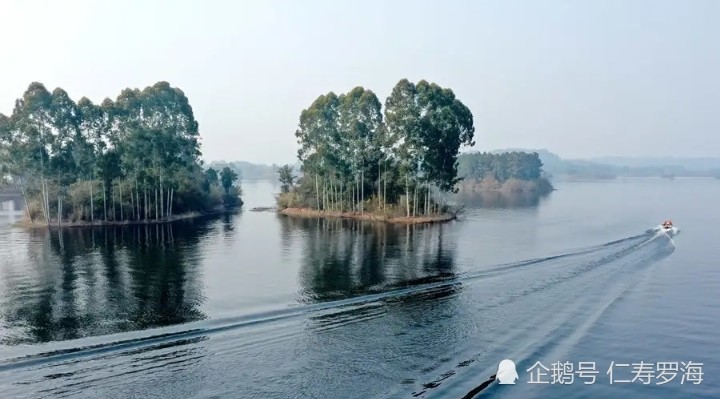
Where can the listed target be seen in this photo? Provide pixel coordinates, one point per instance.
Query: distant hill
(612, 167)
(249, 170)
(553, 165)
(689, 164)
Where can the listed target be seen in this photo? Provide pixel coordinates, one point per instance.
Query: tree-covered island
(365, 161)
(507, 172)
(132, 160)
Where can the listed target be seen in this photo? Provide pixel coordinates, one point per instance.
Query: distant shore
(25, 223)
(511, 186)
(312, 213)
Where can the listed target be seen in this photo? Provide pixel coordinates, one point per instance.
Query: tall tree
(317, 135)
(212, 176)
(143, 145)
(361, 123)
(286, 177)
(402, 120)
(446, 124)
(228, 177)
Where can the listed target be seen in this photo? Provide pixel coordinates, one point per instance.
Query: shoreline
(372, 217)
(24, 223)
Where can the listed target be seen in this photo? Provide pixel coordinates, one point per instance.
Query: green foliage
(135, 158)
(286, 177)
(291, 199)
(212, 176)
(228, 177)
(248, 170)
(350, 153)
(501, 167)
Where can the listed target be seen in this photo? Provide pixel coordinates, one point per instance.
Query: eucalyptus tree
(13, 161)
(227, 178)
(6, 170)
(33, 136)
(446, 125)
(174, 137)
(361, 123)
(402, 124)
(147, 138)
(510, 165)
(212, 176)
(426, 126)
(286, 177)
(317, 134)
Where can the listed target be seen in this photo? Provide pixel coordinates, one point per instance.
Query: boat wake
(527, 295)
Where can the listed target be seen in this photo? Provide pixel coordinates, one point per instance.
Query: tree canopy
(134, 158)
(502, 167)
(353, 151)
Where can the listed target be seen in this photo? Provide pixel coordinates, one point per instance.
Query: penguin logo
(506, 373)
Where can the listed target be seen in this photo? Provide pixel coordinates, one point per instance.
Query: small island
(132, 160)
(361, 161)
(510, 173)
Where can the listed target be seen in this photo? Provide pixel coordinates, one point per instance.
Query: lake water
(255, 305)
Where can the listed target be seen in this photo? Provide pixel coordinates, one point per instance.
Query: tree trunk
(379, 179)
(427, 200)
(112, 194)
(27, 206)
(156, 203)
(132, 204)
(407, 195)
(362, 190)
(92, 203)
(104, 201)
(43, 202)
(385, 187)
(415, 201)
(122, 216)
(342, 199)
(145, 208)
(324, 195)
(59, 210)
(42, 197)
(162, 200)
(172, 194)
(137, 198)
(336, 195)
(317, 191)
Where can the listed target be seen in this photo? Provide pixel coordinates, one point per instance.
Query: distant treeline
(132, 159)
(513, 171)
(501, 167)
(248, 170)
(610, 168)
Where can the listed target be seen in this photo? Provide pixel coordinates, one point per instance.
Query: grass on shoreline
(369, 216)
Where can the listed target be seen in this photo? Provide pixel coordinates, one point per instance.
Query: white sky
(580, 78)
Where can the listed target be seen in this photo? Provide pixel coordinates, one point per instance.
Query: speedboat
(668, 227)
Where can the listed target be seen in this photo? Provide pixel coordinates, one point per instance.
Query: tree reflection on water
(79, 282)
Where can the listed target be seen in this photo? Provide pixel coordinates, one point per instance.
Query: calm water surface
(257, 305)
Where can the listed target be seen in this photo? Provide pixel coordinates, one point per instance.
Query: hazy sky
(581, 78)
